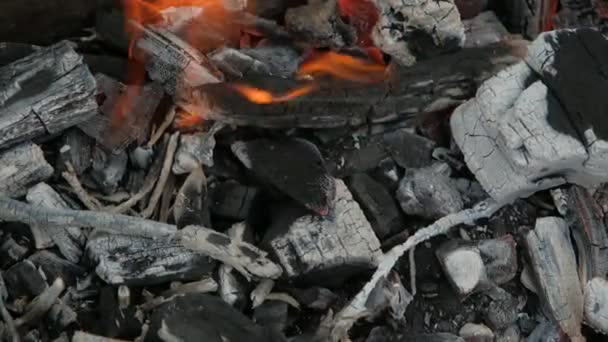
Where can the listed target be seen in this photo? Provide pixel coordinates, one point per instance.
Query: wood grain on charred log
(44, 93)
(130, 260)
(428, 86)
(20, 167)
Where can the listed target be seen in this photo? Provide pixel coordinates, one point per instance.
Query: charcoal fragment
(23, 279)
(295, 166)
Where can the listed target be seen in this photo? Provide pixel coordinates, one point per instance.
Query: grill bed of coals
(291, 170)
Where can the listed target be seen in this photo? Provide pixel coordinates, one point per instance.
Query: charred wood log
(130, 260)
(20, 167)
(76, 149)
(44, 93)
(69, 240)
(340, 244)
(554, 265)
(55, 19)
(428, 86)
(192, 202)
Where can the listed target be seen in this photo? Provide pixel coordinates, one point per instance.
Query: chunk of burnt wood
(503, 311)
(115, 67)
(271, 8)
(476, 332)
(61, 316)
(53, 267)
(596, 304)
(417, 29)
(483, 29)
(271, 60)
(194, 151)
(45, 93)
(193, 315)
(119, 122)
(586, 221)
(114, 320)
(339, 245)
(75, 147)
(191, 206)
(320, 23)
(11, 252)
(23, 279)
(478, 265)
(69, 240)
(378, 205)
(436, 337)
(130, 260)
(429, 192)
(428, 86)
(553, 263)
(233, 200)
(408, 149)
(295, 166)
(172, 62)
(54, 19)
(22, 166)
(108, 169)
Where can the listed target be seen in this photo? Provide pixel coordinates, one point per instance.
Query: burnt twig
(164, 175)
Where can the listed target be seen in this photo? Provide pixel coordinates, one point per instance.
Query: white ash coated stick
(70, 176)
(164, 175)
(10, 323)
(41, 304)
(356, 309)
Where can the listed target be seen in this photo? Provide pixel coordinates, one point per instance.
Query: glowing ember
(261, 96)
(343, 67)
(362, 15)
(189, 120)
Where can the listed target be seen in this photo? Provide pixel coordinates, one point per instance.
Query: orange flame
(261, 96)
(343, 67)
(187, 120)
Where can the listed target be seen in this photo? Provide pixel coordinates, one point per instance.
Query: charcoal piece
(45, 93)
(586, 221)
(282, 60)
(429, 192)
(119, 121)
(476, 333)
(272, 8)
(478, 265)
(75, 148)
(141, 157)
(69, 240)
(272, 314)
(53, 267)
(232, 200)
(408, 93)
(11, 252)
(553, 263)
(23, 279)
(304, 178)
(22, 166)
(337, 246)
(194, 150)
(596, 304)
(409, 150)
(61, 316)
(388, 174)
(546, 331)
(417, 29)
(320, 23)
(191, 206)
(233, 287)
(317, 298)
(378, 205)
(172, 62)
(483, 29)
(108, 169)
(130, 260)
(362, 158)
(193, 315)
(502, 312)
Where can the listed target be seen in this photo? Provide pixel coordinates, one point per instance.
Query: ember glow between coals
(361, 14)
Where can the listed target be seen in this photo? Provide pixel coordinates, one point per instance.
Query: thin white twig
(412, 260)
(70, 176)
(163, 127)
